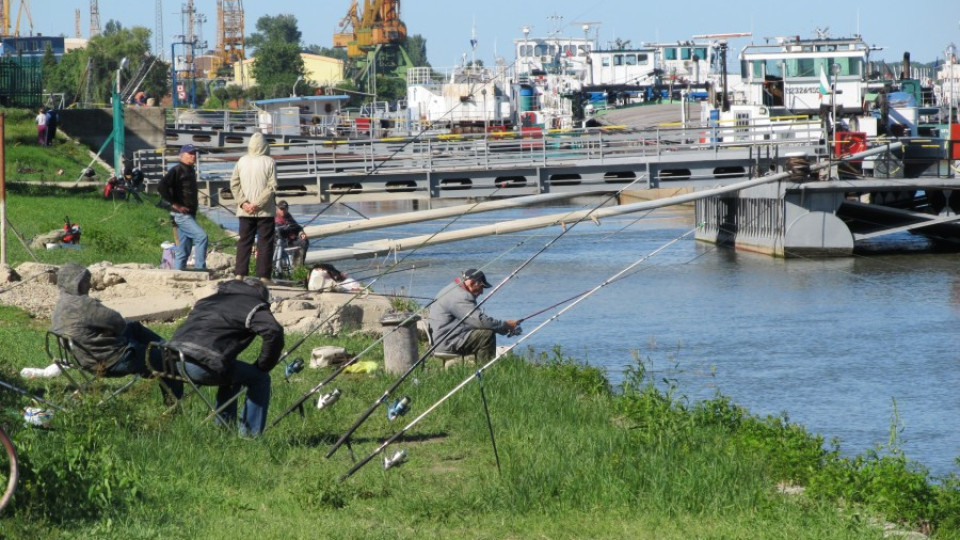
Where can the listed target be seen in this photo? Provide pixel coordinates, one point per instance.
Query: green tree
(94, 68)
(417, 50)
(330, 52)
(277, 62)
(279, 28)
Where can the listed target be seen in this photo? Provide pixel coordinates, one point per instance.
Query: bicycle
(9, 467)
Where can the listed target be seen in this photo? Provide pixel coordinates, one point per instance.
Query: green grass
(573, 466)
(27, 161)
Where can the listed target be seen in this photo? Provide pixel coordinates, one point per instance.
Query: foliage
(274, 29)
(277, 61)
(276, 67)
(417, 50)
(95, 66)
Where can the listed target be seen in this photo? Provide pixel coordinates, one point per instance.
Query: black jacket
(221, 326)
(179, 186)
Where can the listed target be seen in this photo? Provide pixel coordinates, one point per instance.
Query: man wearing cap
(458, 326)
(179, 189)
(289, 230)
(254, 187)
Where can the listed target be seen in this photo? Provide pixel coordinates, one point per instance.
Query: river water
(851, 348)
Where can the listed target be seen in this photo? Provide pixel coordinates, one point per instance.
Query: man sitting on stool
(218, 329)
(475, 335)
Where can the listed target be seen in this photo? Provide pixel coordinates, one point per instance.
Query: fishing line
(480, 370)
(416, 138)
(437, 340)
(299, 403)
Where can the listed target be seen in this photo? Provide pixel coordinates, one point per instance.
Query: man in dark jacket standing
(218, 329)
(458, 326)
(179, 188)
(108, 344)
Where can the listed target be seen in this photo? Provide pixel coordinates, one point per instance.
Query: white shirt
(41, 119)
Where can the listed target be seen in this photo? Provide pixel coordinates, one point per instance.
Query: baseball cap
(478, 276)
(188, 149)
(282, 204)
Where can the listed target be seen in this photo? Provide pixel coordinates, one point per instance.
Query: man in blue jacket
(458, 326)
(218, 329)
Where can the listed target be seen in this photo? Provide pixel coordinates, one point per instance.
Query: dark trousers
(481, 343)
(263, 230)
(134, 359)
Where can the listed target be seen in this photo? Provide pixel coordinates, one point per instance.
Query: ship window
(631, 59)
(526, 51)
(605, 61)
(568, 50)
(801, 67)
(670, 53)
(685, 53)
(643, 59)
(701, 53)
(618, 59)
(541, 49)
(583, 50)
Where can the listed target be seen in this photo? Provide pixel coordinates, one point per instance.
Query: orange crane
(375, 41)
(230, 42)
(5, 17)
(378, 25)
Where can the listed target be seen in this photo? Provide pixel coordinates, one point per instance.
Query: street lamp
(295, 83)
(123, 65)
(835, 69)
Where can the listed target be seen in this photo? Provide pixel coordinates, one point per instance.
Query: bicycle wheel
(9, 470)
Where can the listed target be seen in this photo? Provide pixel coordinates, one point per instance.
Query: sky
(924, 28)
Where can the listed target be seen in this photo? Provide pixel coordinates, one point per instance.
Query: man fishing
(459, 327)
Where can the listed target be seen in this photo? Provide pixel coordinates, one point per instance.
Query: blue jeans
(254, 417)
(134, 359)
(190, 235)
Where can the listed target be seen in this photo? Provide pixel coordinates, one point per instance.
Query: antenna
(586, 26)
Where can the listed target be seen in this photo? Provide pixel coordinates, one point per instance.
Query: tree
(277, 62)
(281, 28)
(329, 52)
(417, 50)
(96, 65)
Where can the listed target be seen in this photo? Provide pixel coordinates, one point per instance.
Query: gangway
(807, 239)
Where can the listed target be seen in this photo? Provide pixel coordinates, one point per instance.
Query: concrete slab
(151, 308)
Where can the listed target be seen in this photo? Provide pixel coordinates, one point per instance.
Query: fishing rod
(437, 340)
(483, 368)
(297, 365)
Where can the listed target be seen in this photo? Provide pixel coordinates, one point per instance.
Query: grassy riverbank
(577, 458)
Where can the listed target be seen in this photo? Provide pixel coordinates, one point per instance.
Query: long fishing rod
(483, 368)
(437, 340)
(298, 404)
(335, 395)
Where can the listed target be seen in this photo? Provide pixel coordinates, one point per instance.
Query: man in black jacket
(179, 188)
(218, 329)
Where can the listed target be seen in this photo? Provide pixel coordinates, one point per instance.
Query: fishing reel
(294, 367)
(515, 331)
(327, 400)
(396, 459)
(398, 409)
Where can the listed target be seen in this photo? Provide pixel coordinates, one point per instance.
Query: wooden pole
(3, 194)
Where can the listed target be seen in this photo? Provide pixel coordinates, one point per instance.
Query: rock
(41, 240)
(328, 355)
(103, 275)
(28, 270)
(218, 261)
(8, 275)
